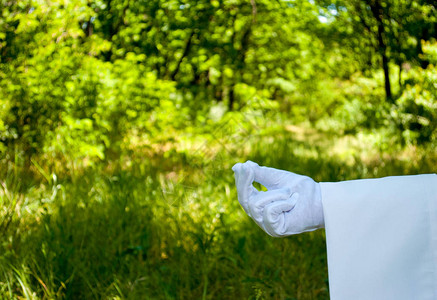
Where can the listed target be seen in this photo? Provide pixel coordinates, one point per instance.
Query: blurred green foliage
(120, 120)
(78, 77)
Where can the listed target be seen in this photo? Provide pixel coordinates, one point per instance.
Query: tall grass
(160, 230)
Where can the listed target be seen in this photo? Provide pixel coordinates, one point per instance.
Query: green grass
(170, 227)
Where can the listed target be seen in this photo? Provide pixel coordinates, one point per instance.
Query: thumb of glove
(244, 176)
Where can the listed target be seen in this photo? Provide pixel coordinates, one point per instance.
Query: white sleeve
(381, 237)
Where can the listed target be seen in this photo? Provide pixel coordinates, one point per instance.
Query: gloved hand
(292, 204)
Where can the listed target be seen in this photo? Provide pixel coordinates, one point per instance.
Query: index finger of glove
(271, 178)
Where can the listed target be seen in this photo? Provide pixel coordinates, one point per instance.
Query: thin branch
(254, 11)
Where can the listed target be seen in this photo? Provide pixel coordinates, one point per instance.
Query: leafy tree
(381, 31)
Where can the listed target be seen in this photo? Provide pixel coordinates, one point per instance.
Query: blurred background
(120, 121)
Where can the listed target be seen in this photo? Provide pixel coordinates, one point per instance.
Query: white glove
(292, 204)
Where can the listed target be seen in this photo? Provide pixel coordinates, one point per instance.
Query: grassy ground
(169, 226)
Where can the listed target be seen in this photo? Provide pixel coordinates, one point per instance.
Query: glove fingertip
(251, 164)
(237, 167)
(248, 172)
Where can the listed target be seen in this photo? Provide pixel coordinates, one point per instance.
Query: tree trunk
(400, 76)
(231, 98)
(377, 12)
(184, 54)
(386, 77)
(423, 36)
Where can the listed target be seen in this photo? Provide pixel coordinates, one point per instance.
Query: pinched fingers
(276, 211)
(275, 214)
(260, 200)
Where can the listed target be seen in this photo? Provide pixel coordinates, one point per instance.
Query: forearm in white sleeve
(381, 237)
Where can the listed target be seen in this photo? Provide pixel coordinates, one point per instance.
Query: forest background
(120, 121)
